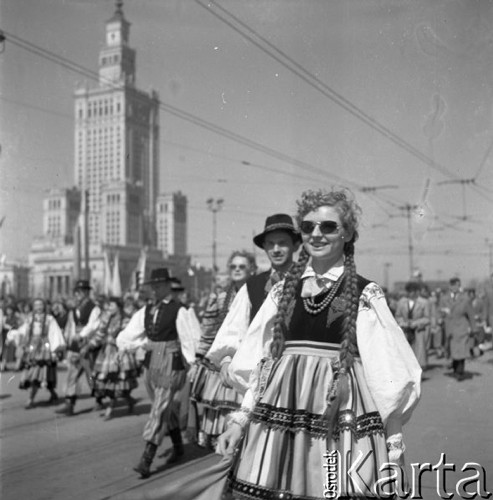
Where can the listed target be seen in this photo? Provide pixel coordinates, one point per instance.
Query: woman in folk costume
(211, 399)
(42, 340)
(340, 375)
(106, 373)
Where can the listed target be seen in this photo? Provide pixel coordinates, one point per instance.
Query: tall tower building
(116, 146)
(172, 224)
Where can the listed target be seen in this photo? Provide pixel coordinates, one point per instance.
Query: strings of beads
(311, 307)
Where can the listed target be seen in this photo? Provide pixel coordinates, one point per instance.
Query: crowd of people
(275, 369)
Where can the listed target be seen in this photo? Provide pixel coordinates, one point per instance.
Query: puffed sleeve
(232, 330)
(188, 333)
(392, 372)
(133, 335)
(55, 335)
(256, 343)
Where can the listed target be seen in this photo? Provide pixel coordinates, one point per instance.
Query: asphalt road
(44, 455)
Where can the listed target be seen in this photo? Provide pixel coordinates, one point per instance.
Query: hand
(225, 379)
(228, 440)
(192, 373)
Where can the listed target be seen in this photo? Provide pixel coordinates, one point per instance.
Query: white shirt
(134, 336)
(232, 331)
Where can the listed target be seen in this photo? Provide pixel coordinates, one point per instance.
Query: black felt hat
(82, 285)
(160, 275)
(277, 222)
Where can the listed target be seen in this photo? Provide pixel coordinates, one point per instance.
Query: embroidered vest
(305, 326)
(256, 291)
(164, 329)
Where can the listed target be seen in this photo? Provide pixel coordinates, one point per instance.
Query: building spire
(119, 7)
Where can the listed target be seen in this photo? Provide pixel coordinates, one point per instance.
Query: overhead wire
(294, 67)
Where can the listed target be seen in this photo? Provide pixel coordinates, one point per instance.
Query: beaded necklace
(311, 307)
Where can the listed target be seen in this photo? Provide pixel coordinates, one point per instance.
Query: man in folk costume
(413, 316)
(162, 329)
(280, 240)
(82, 324)
(458, 315)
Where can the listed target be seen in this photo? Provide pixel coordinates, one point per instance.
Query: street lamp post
(214, 206)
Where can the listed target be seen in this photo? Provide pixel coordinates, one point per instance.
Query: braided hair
(284, 311)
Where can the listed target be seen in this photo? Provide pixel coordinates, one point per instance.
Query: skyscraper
(116, 146)
(116, 169)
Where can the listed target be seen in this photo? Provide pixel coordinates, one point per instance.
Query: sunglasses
(238, 266)
(326, 227)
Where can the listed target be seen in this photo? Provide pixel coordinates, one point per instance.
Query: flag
(138, 275)
(116, 284)
(107, 278)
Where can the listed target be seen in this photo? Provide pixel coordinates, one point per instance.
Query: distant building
(111, 213)
(14, 279)
(61, 209)
(171, 224)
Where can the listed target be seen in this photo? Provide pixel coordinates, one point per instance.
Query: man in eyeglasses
(280, 240)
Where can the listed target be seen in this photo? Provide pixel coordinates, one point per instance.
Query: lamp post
(214, 206)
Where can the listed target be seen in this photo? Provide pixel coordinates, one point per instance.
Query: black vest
(256, 291)
(164, 329)
(305, 326)
(84, 310)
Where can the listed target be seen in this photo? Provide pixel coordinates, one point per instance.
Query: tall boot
(32, 395)
(177, 452)
(144, 466)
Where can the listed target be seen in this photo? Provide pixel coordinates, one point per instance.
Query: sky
(392, 99)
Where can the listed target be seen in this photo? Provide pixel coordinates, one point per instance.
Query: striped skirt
(39, 366)
(287, 445)
(215, 399)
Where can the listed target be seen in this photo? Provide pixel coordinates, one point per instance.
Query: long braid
(349, 348)
(284, 310)
(349, 344)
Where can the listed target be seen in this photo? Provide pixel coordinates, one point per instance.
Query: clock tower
(117, 59)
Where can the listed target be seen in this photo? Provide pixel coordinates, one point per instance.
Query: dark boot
(68, 408)
(177, 451)
(53, 397)
(144, 466)
(130, 403)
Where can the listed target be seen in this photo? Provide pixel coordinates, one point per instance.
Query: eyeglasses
(326, 226)
(237, 266)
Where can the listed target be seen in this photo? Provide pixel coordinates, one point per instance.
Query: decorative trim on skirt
(283, 452)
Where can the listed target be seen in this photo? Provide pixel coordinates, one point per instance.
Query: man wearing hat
(162, 330)
(82, 323)
(280, 240)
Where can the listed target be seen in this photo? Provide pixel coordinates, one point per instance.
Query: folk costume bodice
(326, 326)
(160, 325)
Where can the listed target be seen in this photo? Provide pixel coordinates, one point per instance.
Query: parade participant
(162, 329)
(106, 374)
(458, 315)
(211, 400)
(413, 316)
(11, 320)
(340, 374)
(59, 311)
(82, 323)
(42, 340)
(280, 240)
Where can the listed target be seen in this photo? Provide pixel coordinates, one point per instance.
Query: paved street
(49, 456)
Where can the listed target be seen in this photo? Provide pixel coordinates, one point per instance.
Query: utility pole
(214, 206)
(386, 279)
(410, 245)
(490, 256)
